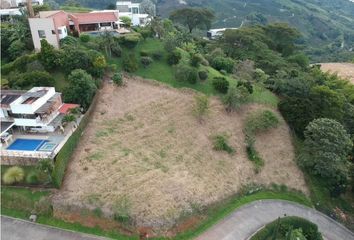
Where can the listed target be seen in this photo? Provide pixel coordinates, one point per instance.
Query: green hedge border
(64, 155)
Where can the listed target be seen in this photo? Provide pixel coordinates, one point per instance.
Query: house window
(53, 32)
(60, 31)
(41, 33)
(135, 10)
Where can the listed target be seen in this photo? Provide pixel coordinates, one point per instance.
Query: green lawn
(60, 81)
(163, 72)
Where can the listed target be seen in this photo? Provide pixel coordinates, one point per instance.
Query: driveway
(245, 221)
(16, 229)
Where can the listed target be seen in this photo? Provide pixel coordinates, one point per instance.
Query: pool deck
(58, 138)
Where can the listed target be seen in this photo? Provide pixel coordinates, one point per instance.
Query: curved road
(245, 221)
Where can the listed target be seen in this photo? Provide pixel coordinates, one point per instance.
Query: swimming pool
(26, 144)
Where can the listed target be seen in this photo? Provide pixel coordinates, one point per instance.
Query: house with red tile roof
(55, 25)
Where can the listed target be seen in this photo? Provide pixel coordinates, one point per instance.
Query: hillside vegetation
(327, 26)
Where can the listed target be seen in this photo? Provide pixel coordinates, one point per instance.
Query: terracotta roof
(95, 17)
(66, 107)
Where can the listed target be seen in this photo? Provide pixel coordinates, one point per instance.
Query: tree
(295, 234)
(282, 37)
(107, 42)
(127, 21)
(39, 8)
(221, 84)
(130, 63)
(35, 78)
(193, 18)
(235, 97)
(146, 61)
(201, 106)
(111, 6)
(82, 88)
(48, 56)
(148, 7)
(117, 79)
(223, 63)
(74, 58)
(186, 73)
(157, 27)
(326, 149)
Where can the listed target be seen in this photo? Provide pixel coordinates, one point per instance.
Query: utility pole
(30, 9)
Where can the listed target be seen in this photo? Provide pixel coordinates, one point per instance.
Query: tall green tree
(326, 149)
(193, 17)
(82, 88)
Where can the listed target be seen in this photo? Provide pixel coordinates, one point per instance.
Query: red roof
(96, 17)
(67, 106)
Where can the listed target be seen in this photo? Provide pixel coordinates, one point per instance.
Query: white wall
(47, 25)
(18, 108)
(64, 32)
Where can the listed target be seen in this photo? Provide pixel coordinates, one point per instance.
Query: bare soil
(344, 70)
(144, 151)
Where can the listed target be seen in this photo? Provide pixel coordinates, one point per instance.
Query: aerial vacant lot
(344, 70)
(145, 152)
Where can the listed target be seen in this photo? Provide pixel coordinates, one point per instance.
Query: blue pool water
(26, 144)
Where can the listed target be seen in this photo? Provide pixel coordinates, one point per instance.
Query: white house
(133, 11)
(36, 110)
(217, 32)
(18, 3)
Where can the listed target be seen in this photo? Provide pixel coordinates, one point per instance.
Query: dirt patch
(344, 70)
(145, 152)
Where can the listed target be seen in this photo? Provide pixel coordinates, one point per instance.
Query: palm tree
(107, 42)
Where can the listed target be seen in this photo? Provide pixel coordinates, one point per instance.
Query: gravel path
(245, 221)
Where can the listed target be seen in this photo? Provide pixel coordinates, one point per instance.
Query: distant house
(133, 11)
(217, 32)
(94, 21)
(49, 25)
(18, 3)
(34, 110)
(55, 25)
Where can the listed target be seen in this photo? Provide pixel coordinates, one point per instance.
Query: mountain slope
(327, 25)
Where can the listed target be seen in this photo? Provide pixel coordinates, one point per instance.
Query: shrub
(144, 53)
(222, 63)
(85, 38)
(220, 143)
(146, 61)
(174, 57)
(253, 155)
(68, 41)
(185, 73)
(203, 75)
(32, 178)
(13, 175)
(35, 66)
(261, 121)
(130, 63)
(221, 84)
(131, 40)
(196, 59)
(68, 118)
(118, 79)
(235, 97)
(201, 106)
(116, 50)
(157, 55)
(121, 210)
(247, 85)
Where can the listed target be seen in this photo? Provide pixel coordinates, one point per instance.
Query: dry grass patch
(344, 70)
(145, 145)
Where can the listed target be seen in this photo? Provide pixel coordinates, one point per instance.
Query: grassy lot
(212, 215)
(163, 72)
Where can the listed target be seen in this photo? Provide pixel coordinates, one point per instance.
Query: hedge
(309, 229)
(63, 157)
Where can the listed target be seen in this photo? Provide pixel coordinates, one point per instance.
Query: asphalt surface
(16, 229)
(245, 221)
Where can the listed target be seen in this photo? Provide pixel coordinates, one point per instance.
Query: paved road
(242, 223)
(15, 229)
